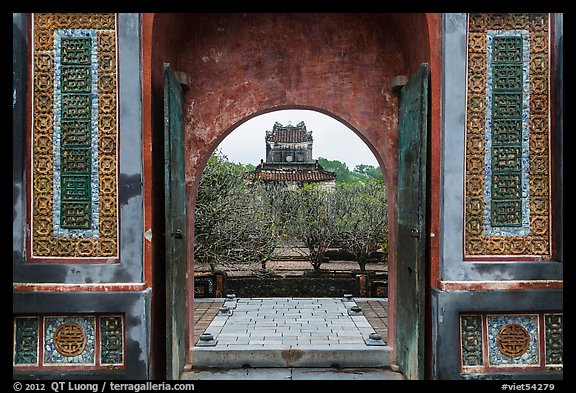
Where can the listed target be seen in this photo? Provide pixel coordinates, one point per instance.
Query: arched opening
(284, 150)
(242, 65)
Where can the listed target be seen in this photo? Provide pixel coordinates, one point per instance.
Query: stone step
(292, 356)
(294, 373)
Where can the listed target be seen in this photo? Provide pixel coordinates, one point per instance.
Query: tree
(369, 172)
(242, 222)
(312, 220)
(234, 221)
(362, 219)
(361, 172)
(343, 174)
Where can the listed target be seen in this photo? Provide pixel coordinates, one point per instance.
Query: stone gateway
(115, 116)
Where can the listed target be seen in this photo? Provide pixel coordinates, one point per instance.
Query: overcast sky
(332, 139)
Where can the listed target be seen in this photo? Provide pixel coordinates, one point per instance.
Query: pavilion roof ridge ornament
(289, 133)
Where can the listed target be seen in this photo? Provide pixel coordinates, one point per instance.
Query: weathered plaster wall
(241, 65)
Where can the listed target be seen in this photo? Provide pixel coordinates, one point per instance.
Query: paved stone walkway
(289, 321)
(290, 332)
(374, 309)
(204, 312)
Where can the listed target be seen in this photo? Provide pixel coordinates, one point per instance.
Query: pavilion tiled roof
(289, 134)
(297, 176)
(295, 172)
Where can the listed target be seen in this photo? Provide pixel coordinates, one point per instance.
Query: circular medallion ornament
(70, 339)
(513, 340)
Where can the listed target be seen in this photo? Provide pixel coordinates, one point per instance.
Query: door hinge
(183, 78)
(398, 82)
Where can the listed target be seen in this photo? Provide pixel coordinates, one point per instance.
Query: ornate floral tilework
(112, 340)
(554, 336)
(83, 341)
(471, 340)
(74, 155)
(507, 176)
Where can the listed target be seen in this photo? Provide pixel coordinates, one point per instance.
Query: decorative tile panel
(471, 340)
(26, 341)
(112, 340)
(507, 194)
(204, 286)
(554, 336)
(69, 340)
(513, 340)
(492, 342)
(74, 154)
(87, 341)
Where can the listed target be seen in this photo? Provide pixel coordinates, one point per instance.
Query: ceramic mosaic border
(480, 340)
(93, 183)
(489, 228)
(92, 230)
(530, 236)
(204, 287)
(34, 341)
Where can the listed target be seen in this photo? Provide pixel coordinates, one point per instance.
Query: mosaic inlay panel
(69, 340)
(513, 340)
(74, 154)
(86, 341)
(554, 336)
(507, 194)
(497, 342)
(204, 286)
(112, 340)
(471, 340)
(26, 341)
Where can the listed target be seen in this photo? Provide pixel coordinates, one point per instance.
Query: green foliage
(234, 221)
(362, 214)
(312, 220)
(250, 167)
(361, 172)
(369, 172)
(239, 221)
(219, 177)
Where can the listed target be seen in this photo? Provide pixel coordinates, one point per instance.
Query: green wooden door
(411, 233)
(175, 225)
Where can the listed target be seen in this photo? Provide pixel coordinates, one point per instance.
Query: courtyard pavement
(374, 309)
(291, 338)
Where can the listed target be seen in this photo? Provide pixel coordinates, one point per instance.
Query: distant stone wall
(328, 285)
